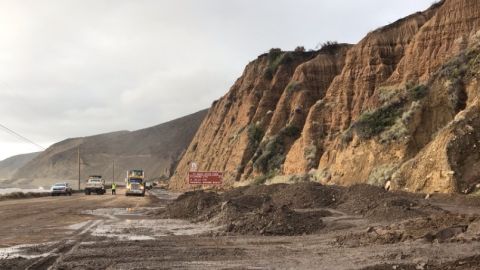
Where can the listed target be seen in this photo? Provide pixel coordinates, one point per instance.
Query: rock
(343, 81)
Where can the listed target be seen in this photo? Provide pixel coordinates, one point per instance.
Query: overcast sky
(78, 68)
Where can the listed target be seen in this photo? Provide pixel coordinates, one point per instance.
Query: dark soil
(274, 220)
(468, 263)
(192, 204)
(295, 209)
(439, 228)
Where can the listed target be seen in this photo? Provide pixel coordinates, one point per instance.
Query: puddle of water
(109, 212)
(20, 251)
(146, 229)
(138, 228)
(78, 226)
(164, 195)
(106, 212)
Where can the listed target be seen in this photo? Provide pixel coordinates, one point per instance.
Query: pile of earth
(467, 263)
(377, 204)
(294, 209)
(436, 227)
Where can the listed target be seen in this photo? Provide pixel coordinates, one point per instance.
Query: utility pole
(113, 172)
(78, 159)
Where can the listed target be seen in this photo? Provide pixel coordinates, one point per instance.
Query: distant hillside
(9, 166)
(156, 149)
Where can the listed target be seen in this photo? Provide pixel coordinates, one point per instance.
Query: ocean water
(4, 191)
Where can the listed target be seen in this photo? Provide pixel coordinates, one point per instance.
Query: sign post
(205, 178)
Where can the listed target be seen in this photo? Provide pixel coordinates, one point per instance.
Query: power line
(16, 134)
(21, 137)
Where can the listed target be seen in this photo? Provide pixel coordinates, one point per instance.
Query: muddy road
(118, 232)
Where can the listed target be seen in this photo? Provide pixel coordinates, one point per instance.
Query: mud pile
(266, 210)
(467, 263)
(295, 209)
(270, 219)
(192, 204)
(376, 204)
(433, 228)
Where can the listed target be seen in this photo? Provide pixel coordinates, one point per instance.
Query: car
(95, 184)
(148, 185)
(61, 189)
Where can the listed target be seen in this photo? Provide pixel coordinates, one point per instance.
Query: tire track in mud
(70, 244)
(64, 247)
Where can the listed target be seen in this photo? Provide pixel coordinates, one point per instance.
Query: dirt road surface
(119, 232)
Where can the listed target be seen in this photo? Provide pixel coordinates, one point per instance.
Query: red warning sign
(202, 178)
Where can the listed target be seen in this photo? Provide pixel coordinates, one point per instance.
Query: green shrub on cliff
(372, 123)
(270, 156)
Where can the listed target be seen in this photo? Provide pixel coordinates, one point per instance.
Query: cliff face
(387, 108)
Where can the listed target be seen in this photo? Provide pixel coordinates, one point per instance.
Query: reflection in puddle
(137, 228)
(149, 228)
(24, 251)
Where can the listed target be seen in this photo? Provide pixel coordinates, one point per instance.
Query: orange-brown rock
(401, 105)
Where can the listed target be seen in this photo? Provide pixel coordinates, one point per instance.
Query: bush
(290, 131)
(292, 86)
(310, 154)
(259, 180)
(381, 174)
(328, 46)
(417, 92)
(194, 147)
(272, 156)
(275, 57)
(373, 123)
(274, 53)
(255, 134)
(300, 49)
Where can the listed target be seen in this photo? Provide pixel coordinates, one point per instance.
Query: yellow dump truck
(135, 182)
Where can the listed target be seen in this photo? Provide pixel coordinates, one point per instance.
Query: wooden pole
(113, 172)
(78, 159)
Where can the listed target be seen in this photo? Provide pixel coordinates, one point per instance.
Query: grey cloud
(73, 68)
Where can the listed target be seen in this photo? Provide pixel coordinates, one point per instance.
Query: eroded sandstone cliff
(400, 106)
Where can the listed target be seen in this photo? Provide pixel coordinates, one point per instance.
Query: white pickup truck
(95, 184)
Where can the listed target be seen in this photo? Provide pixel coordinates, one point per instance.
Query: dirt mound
(254, 190)
(299, 208)
(467, 263)
(307, 195)
(377, 204)
(192, 204)
(358, 199)
(274, 220)
(268, 210)
(440, 228)
(297, 196)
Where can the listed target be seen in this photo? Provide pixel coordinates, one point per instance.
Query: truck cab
(95, 184)
(135, 182)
